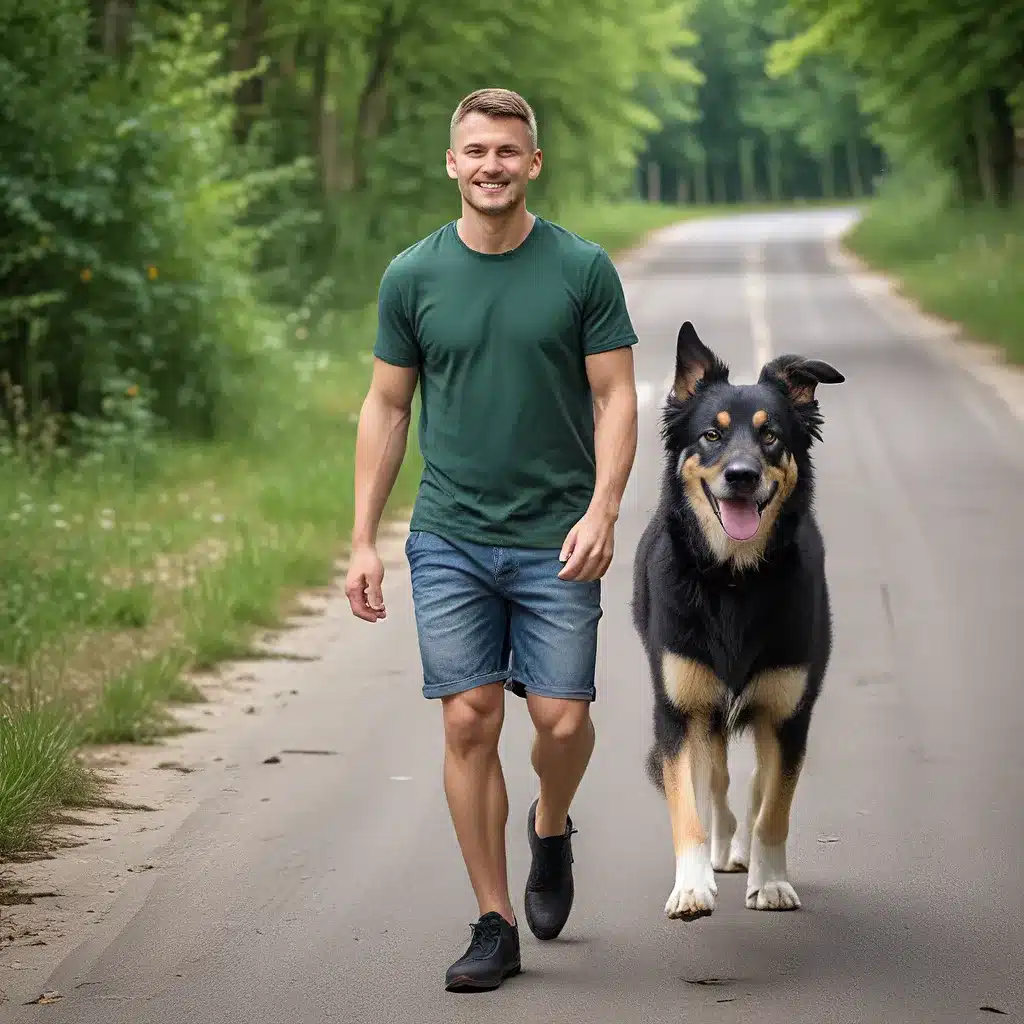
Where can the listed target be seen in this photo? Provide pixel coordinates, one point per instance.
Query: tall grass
(962, 263)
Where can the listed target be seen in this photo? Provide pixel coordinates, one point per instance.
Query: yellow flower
(132, 391)
(152, 273)
(86, 275)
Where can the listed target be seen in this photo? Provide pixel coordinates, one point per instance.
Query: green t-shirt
(506, 418)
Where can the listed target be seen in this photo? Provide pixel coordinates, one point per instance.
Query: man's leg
(475, 788)
(462, 625)
(562, 747)
(554, 656)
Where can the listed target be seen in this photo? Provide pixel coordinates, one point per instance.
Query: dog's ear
(800, 376)
(695, 362)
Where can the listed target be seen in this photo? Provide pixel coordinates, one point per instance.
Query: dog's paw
(736, 857)
(773, 896)
(768, 886)
(690, 903)
(695, 889)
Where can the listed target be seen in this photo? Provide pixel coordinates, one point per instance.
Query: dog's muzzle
(739, 495)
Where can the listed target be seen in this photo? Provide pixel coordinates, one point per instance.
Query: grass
(123, 577)
(963, 264)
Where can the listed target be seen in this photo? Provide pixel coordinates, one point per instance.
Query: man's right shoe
(549, 888)
(492, 956)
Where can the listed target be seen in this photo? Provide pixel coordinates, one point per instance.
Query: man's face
(492, 160)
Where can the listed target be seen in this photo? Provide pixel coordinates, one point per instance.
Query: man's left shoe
(549, 887)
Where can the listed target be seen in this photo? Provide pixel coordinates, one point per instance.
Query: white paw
(738, 856)
(768, 886)
(773, 896)
(695, 889)
(687, 904)
(721, 841)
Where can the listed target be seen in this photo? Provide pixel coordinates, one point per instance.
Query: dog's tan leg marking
(692, 687)
(777, 692)
(723, 821)
(688, 792)
(768, 886)
(696, 691)
(760, 418)
(723, 419)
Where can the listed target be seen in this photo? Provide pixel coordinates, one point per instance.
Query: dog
(731, 603)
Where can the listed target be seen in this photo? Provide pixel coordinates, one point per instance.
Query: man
(518, 333)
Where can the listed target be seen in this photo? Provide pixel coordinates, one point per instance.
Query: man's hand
(588, 548)
(363, 584)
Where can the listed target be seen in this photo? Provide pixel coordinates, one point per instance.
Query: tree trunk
(983, 149)
(246, 56)
(1003, 145)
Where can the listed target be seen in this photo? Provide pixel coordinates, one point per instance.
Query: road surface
(330, 889)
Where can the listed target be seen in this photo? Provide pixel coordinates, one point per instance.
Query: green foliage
(936, 81)
(756, 138)
(124, 272)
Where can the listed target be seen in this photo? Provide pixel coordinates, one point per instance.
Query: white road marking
(400, 778)
(757, 293)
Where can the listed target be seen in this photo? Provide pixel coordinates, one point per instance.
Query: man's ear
(695, 362)
(800, 376)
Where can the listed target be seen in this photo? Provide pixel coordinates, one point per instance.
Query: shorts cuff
(522, 687)
(434, 690)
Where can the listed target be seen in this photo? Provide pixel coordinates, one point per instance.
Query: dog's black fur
(767, 606)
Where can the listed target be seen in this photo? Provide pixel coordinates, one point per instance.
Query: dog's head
(739, 455)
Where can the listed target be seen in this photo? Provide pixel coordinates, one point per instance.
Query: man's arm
(615, 426)
(608, 337)
(381, 440)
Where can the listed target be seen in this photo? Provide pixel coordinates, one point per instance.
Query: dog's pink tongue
(739, 517)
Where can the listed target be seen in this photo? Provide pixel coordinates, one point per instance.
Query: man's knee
(560, 720)
(473, 719)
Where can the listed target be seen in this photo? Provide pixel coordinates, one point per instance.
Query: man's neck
(494, 234)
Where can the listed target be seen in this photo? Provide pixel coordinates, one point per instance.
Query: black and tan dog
(731, 602)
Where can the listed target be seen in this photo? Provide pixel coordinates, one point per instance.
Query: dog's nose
(742, 475)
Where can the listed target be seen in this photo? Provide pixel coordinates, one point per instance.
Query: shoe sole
(464, 983)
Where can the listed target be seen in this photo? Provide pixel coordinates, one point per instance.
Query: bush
(127, 294)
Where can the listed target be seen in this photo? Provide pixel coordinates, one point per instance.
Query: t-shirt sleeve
(396, 337)
(606, 320)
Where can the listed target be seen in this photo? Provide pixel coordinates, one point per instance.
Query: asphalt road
(331, 889)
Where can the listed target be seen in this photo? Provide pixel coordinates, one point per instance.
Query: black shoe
(492, 956)
(549, 888)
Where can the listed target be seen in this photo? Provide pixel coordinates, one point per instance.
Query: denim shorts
(501, 615)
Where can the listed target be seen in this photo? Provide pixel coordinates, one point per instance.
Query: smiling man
(518, 334)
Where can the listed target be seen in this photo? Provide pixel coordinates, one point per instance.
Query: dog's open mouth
(740, 517)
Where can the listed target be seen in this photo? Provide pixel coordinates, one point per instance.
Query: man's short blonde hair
(497, 103)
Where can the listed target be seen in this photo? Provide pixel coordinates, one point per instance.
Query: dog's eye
(769, 436)
(711, 434)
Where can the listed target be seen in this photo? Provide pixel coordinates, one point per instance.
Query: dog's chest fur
(738, 627)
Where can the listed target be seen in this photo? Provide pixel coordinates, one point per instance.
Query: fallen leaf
(273, 759)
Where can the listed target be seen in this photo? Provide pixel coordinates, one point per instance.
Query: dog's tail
(655, 770)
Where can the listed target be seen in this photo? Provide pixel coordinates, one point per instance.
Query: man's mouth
(740, 517)
(492, 187)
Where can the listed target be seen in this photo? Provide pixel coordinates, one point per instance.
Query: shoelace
(484, 932)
